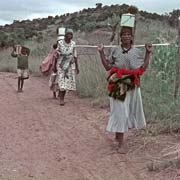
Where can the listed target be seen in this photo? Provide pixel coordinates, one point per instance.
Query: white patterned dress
(66, 65)
(128, 113)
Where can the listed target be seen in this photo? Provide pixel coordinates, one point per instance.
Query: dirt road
(42, 140)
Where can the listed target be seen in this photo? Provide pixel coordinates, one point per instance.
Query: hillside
(86, 20)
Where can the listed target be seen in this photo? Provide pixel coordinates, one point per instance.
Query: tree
(98, 5)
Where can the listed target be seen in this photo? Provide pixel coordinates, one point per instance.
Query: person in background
(67, 64)
(125, 64)
(22, 54)
(53, 81)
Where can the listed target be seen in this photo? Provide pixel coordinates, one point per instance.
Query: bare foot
(19, 90)
(115, 145)
(119, 147)
(122, 149)
(61, 103)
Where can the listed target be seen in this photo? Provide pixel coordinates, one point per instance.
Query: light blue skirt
(126, 114)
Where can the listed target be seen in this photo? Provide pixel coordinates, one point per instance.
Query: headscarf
(68, 30)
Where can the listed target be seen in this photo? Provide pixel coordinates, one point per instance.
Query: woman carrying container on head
(125, 63)
(67, 64)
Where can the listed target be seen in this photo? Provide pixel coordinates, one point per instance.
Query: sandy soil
(42, 140)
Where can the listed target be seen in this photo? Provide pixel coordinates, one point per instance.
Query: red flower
(141, 71)
(136, 80)
(113, 70)
(110, 86)
(119, 74)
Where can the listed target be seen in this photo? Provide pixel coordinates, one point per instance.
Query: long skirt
(66, 80)
(126, 114)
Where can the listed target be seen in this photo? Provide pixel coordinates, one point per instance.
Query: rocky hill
(85, 20)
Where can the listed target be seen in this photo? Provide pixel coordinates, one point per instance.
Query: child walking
(22, 54)
(48, 66)
(53, 84)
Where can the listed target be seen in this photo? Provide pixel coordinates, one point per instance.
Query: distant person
(67, 64)
(48, 67)
(22, 54)
(125, 63)
(49, 61)
(53, 84)
(53, 81)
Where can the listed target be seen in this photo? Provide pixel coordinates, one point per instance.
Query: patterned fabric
(118, 89)
(128, 113)
(64, 82)
(122, 80)
(131, 60)
(66, 65)
(66, 49)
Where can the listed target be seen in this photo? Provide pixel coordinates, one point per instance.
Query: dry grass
(157, 83)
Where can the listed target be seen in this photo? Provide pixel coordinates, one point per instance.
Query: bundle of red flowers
(120, 72)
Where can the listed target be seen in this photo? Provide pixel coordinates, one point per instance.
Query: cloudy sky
(31, 9)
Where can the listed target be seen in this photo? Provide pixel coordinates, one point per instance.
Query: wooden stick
(141, 45)
(162, 44)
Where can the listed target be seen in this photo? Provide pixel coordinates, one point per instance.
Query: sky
(11, 10)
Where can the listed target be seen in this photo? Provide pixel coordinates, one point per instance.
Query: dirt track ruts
(40, 139)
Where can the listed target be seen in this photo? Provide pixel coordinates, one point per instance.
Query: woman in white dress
(126, 109)
(67, 64)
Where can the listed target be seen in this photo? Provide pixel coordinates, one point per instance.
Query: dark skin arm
(13, 54)
(76, 60)
(148, 47)
(103, 58)
(76, 64)
(54, 68)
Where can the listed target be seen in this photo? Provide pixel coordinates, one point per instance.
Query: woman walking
(67, 65)
(125, 63)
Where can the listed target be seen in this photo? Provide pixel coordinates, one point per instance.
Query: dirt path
(42, 140)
